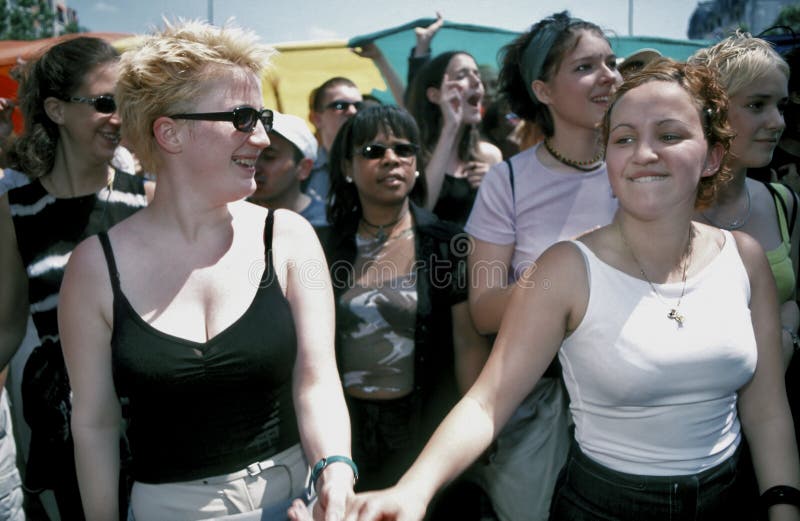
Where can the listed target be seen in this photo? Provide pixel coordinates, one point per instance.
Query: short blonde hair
(171, 69)
(740, 59)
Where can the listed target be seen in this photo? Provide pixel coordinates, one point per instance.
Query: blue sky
(301, 20)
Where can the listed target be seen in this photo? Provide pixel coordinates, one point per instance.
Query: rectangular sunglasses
(244, 119)
(103, 104)
(377, 151)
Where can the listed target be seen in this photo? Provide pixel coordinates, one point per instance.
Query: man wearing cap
(283, 165)
(330, 105)
(636, 61)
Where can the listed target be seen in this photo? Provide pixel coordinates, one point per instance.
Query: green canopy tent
(484, 42)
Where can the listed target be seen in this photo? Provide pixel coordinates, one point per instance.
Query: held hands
(334, 493)
(391, 504)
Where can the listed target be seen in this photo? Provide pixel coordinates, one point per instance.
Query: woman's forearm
(323, 420)
(458, 441)
(97, 463)
(325, 431)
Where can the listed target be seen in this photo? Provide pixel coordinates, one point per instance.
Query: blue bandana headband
(530, 66)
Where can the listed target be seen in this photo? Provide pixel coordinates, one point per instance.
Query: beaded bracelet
(778, 495)
(323, 463)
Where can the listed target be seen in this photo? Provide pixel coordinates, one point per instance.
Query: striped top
(49, 228)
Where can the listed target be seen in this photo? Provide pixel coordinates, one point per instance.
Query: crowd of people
(562, 290)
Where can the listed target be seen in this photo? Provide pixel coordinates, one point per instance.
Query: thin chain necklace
(738, 222)
(584, 166)
(687, 254)
(381, 234)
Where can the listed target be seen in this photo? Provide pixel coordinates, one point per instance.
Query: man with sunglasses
(330, 105)
(283, 165)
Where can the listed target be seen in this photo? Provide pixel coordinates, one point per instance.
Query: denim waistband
(589, 490)
(723, 471)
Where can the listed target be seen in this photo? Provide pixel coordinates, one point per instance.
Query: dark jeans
(589, 491)
(385, 439)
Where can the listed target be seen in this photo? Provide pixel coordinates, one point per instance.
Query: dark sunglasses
(341, 106)
(103, 104)
(377, 151)
(244, 119)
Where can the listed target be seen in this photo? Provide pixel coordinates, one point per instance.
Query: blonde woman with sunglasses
(211, 318)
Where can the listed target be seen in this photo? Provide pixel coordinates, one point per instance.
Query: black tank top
(199, 409)
(455, 200)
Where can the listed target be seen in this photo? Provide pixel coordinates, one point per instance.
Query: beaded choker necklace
(381, 234)
(584, 166)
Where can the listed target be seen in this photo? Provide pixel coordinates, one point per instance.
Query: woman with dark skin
(405, 342)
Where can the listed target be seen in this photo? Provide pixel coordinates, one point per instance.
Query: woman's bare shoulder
(489, 152)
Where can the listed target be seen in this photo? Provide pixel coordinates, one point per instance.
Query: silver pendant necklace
(673, 314)
(739, 221)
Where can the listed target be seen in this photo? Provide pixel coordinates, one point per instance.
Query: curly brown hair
(708, 94)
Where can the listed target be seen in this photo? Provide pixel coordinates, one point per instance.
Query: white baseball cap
(296, 131)
(639, 58)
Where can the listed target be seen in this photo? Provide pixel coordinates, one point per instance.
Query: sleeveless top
(652, 397)
(378, 318)
(200, 409)
(780, 259)
(455, 200)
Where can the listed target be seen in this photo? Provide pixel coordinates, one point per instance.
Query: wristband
(322, 464)
(778, 495)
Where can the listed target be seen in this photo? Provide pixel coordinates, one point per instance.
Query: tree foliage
(790, 17)
(26, 20)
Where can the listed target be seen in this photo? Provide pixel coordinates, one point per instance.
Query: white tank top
(649, 396)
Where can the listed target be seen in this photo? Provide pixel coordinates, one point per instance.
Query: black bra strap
(113, 273)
